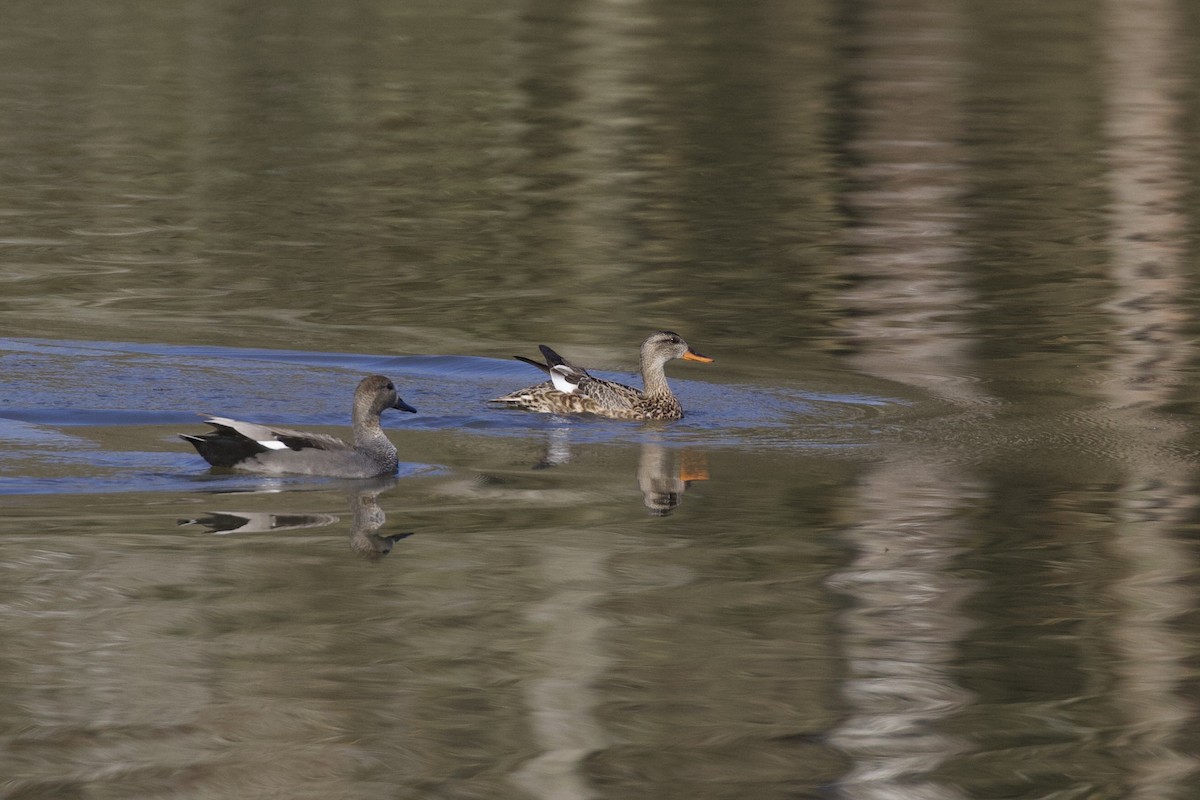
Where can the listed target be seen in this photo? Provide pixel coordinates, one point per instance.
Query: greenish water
(927, 529)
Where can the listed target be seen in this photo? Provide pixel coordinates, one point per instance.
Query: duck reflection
(663, 479)
(663, 474)
(367, 520)
(223, 522)
(558, 449)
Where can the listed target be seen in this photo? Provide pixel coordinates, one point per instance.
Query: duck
(266, 449)
(571, 390)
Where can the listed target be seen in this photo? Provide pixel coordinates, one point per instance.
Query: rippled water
(927, 529)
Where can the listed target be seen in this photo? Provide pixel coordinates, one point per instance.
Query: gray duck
(266, 449)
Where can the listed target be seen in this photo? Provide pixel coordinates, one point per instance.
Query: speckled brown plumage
(587, 394)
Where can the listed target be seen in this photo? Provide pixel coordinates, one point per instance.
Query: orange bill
(692, 355)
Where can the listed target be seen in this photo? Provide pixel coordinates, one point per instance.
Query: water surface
(927, 529)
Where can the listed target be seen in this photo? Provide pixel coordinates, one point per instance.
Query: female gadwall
(572, 390)
(267, 449)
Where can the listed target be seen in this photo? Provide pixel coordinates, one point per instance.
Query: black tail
(222, 450)
(553, 359)
(537, 364)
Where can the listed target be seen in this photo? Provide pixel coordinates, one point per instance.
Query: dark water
(929, 527)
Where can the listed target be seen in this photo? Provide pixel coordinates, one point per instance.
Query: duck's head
(662, 346)
(378, 393)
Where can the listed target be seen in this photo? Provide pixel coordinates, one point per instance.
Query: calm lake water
(929, 528)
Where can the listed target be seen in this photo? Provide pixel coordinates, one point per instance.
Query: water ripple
(122, 395)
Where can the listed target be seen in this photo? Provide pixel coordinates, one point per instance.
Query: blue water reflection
(147, 386)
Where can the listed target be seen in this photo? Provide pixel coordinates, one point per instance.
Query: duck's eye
(675, 340)
(391, 386)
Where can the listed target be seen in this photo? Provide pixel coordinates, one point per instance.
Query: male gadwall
(270, 450)
(572, 390)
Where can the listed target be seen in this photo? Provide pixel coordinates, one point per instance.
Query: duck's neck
(654, 379)
(370, 439)
(367, 430)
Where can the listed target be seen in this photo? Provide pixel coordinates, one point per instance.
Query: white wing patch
(558, 375)
(272, 444)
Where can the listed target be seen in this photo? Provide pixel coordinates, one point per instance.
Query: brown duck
(571, 390)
